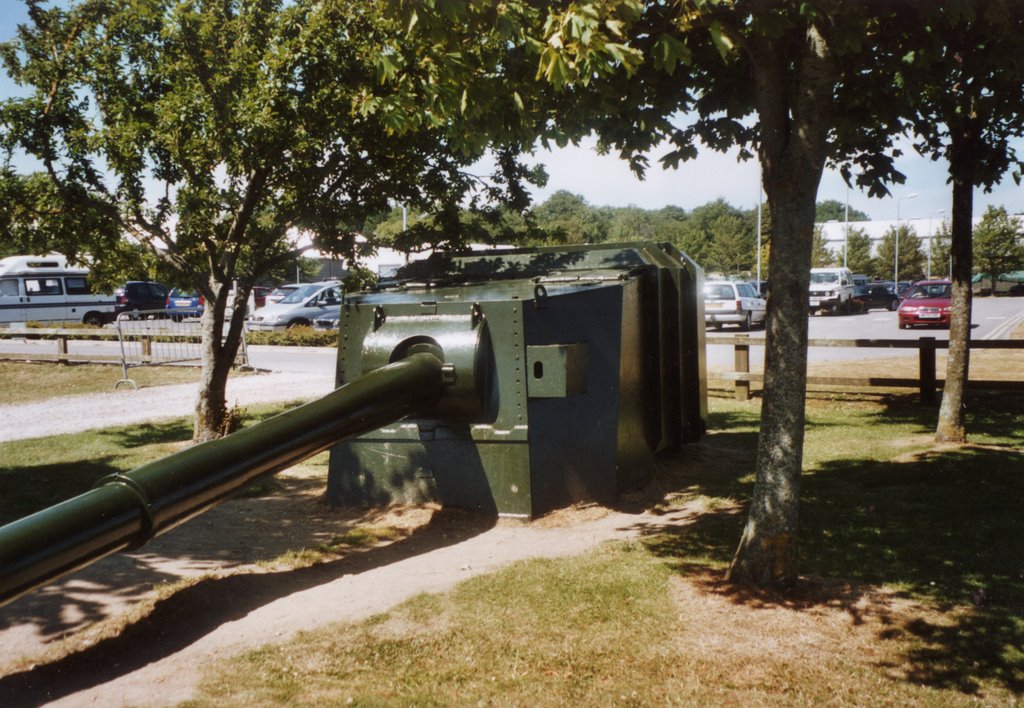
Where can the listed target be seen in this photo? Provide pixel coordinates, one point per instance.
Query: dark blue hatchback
(181, 304)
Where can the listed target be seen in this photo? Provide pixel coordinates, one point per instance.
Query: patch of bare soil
(138, 628)
(757, 645)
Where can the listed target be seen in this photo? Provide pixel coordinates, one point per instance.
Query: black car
(875, 295)
(137, 295)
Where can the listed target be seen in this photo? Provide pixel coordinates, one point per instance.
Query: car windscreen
(938, 290)
(719, 292)
(301, 293)
(746, 290)
(819, 278)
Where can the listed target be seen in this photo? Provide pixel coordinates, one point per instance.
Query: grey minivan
(300, 307)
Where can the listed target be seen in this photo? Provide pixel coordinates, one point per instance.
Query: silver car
(300, 307)
(729, 302)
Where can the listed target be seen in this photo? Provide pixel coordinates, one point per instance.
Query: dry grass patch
(24, 382)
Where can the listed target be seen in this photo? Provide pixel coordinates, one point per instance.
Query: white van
(831, 290)
(45, 289)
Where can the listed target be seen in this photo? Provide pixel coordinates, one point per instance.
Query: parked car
(831, 290)
(727, 302)
(280, 293)
(260, 294)
(182, 303)
(300, 307)
(875, 295)
(761, 286)
(138, 295)
(926, 302)
(327, 322)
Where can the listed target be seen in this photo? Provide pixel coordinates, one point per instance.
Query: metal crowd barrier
(156, 338)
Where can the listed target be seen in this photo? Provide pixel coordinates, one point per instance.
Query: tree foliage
(219, 134)
(998, 243)
(834, 210)
(961, 79)
(858, 251)
(911, 261)
(821, 255)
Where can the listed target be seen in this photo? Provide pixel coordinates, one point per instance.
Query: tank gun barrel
(125, 511)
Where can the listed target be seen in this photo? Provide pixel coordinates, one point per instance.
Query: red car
(926, 302)
(259, 294)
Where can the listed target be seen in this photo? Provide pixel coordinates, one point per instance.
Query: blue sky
(607, 181)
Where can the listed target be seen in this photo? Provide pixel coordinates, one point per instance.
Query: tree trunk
(793, 157)
(767, 551)
(212, 417)
(951, 427)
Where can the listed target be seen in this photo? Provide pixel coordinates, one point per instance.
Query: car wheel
(893, 304)
(904, 325)
(299, 323)
(745, 324)
(93, 319)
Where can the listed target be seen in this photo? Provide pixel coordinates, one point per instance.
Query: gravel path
(73, 414)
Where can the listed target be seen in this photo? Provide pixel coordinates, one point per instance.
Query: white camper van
(831, 290)
(45, 289)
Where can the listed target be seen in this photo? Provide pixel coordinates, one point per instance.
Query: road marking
(1002, 331)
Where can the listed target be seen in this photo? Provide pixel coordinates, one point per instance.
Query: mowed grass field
(911, 591)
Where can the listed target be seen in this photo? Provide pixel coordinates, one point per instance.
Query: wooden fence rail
(926, 382)
(60, 338)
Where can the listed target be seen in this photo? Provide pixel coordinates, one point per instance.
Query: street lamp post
(896, 259)
(760, 194)
(846, 226)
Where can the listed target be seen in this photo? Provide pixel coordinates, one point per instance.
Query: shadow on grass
(943, 524)
(152, 433)
(26, 490)
(86, 458)
(210, 603)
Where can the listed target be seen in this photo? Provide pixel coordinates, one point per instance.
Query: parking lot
(993, 318)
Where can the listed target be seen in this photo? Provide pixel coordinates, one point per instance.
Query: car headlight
(909, 308)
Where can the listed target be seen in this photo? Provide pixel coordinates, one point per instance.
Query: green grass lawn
(898, 539)
(912, 591)
(39, 472)
(23, 383)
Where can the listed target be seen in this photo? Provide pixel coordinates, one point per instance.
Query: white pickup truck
(831, 290)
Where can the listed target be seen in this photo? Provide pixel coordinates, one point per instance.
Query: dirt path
(111, 634)
(86, 641)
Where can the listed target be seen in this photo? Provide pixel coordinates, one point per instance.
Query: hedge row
(295, 337)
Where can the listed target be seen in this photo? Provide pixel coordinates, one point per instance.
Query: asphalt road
(994, 318)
